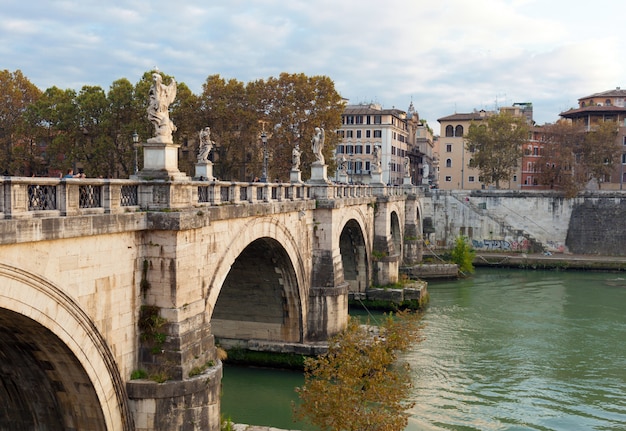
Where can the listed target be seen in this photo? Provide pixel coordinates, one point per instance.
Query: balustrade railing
(22, 197)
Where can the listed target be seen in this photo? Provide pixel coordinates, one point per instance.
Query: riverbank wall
(592, 223)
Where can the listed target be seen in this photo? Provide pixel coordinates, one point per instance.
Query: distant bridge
(102, 278)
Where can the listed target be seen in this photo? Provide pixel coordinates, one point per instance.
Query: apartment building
(365, 126)
(454, 159)
(604, 106)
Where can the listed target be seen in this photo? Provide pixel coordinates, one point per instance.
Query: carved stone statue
(205, 145)
(343, 164)
(425, 171)
(376, 159)
(407, 167)
(295, 158)
(317, 144)
(161, 96)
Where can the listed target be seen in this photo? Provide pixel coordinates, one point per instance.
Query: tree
(497, 146)
(17, 93)
(294, 106)
(600, 150)
(557, 164)
(358, 384)
(571, 156)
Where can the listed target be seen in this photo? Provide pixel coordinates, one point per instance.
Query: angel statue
(376, 159)
(317, 144)
(161, 96)
(205, 146)
(295, 158)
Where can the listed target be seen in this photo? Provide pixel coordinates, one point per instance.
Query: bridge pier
(413, 243)
(388, 235)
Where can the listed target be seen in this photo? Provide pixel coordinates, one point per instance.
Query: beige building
(398, 134)
(454, 158)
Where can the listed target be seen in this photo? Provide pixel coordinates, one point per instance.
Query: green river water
(503, 350)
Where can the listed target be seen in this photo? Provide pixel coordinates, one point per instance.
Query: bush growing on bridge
(358, 384)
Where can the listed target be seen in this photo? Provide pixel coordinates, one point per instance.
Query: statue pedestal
(160, 162)
(342, 177)
(204, 171)
(295, 176)
(376, 177)
(318, 173)
(407, 181)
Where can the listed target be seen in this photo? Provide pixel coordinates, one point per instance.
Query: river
(503, 350)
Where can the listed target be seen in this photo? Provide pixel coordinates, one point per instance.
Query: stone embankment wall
(515, 221)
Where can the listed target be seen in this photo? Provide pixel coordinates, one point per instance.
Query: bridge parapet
(24, 197)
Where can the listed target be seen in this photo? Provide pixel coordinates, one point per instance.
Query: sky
(446, 56)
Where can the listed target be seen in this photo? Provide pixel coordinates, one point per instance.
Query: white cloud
(446, 56)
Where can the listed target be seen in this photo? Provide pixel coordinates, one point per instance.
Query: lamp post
(264, 140)
(136, 144)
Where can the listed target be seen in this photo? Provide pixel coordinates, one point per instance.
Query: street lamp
(136, 144)
(264, 175)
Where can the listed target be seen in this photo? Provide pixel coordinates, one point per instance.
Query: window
(449, 131)
(458, 131)
(341, 133)
(368, 133)
(367, 166)
(358, 134)
(623, 159)
(349, 119)
(378, 133)
(358, 149)
(470, 178)
(377, 119)
(535, 151)
(514, 178)
(448, 148)
(339, 149)
(625, 136)
(448, 163)
(349, 133)
(368, 120)
(368, 149)
(359, 119)
(349, 149)
(448, 178)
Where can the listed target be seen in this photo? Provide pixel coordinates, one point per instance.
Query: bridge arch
(64, 364)
(258, 289)
(355, 247)
(396, 233)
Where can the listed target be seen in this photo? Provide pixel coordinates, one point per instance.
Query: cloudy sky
(445, 56)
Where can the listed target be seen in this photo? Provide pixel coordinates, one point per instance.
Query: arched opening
(259, 298)
(396, 234)
(354, 257)
(42, 383)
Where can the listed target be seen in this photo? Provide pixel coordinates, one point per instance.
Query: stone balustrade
(26, 197)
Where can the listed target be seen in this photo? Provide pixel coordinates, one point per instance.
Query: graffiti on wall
(522, 244)
(500, 244)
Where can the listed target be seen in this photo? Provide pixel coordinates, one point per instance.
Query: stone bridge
(114, 293)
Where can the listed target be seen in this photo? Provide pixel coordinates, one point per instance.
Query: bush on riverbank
(463, 255)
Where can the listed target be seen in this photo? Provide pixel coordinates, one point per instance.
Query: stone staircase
(534, 245)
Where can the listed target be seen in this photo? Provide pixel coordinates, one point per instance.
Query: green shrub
(463, 256)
